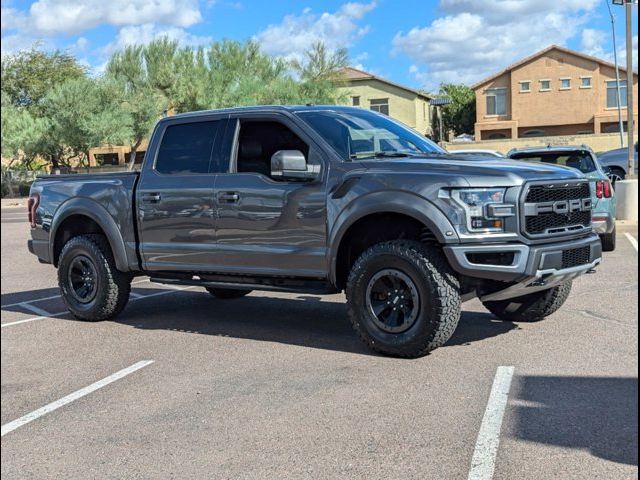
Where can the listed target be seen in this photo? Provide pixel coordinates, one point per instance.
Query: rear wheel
(90, 284)
(609, 241)
(616, 174)
(227, 293)
(403, 298)
(532, 307)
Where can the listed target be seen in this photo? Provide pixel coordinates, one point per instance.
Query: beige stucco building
(556, 91)
(411, 107)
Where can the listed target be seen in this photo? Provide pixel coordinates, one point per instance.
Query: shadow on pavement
(28, 296)
(302, 320)
(599, 414)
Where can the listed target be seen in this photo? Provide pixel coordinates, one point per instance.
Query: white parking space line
(32, 308)
(30, 417)
(483, 461)
(30, 301)
(33, 319)
(632, 240)
(57, 314)
(53, 297)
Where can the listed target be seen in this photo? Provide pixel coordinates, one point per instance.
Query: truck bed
(108, 198)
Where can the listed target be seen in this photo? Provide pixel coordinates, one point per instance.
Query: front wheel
(90, 284)
(532, 307)
(403, 298)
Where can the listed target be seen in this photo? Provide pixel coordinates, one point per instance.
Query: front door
(175, 197)
(268, 226)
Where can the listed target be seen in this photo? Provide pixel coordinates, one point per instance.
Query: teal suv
(583, 159)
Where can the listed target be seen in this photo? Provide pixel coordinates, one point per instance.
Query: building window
(525, 86)
(585, 82)
(545, 85)
(380, 105)
(612, 94)
(496, 101)
(565, 84)
(497, 136)
(355, 101)
(533, 133)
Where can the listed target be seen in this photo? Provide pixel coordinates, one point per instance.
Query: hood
(477, 170)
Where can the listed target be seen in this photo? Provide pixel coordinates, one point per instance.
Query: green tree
(460, 115)
(142, 96)
(22, 134)
(29, 75)
(321, 73)
(82, 113)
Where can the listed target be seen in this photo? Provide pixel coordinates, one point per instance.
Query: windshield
(357, 134)
(579, 160)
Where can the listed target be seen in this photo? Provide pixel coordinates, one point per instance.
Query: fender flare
(96, 212)
(402, 202)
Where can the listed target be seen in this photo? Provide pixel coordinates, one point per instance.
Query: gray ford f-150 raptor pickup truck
(320, 200)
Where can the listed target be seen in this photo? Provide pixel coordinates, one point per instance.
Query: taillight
(603, 189)
(599, 189)
(32, 206)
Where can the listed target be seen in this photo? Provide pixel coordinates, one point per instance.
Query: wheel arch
(395, 209)
(79, 216)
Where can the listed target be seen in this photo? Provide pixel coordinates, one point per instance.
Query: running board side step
(310, 286)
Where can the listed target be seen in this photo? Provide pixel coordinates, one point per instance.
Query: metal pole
(615, 61)
(631, 169)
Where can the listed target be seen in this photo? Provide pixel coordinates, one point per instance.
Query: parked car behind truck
(321, 200)
(582, 158)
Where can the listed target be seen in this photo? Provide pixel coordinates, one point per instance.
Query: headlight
(484, 208)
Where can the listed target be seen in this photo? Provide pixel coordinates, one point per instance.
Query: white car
(493, 153)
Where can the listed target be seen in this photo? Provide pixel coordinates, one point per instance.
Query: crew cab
(321, 199)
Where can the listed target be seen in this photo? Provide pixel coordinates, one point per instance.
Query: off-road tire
(227, 293)
(438, 291)
(608, 241)
(112, 286)
(530, 308)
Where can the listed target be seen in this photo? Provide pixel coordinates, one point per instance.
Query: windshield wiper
(384, 154)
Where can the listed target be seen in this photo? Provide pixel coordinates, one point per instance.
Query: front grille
(557, 209)
(548, 193)
(575, 257)
(550, 222)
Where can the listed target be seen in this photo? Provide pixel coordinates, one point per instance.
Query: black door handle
(230, 197)
(151, 197)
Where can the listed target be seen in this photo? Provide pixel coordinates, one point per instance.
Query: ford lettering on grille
(556, 209)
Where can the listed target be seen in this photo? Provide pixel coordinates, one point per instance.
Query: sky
(419, 43)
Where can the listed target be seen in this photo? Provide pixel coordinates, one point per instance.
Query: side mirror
(292, 164)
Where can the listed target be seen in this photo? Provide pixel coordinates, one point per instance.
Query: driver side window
(259, 140)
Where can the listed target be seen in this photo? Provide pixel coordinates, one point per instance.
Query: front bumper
(533, 267)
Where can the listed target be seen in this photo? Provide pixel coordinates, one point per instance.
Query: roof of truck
(265, 108)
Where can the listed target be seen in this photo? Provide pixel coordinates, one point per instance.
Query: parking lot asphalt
(278, 386)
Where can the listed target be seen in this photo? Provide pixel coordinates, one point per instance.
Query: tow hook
(591, 270)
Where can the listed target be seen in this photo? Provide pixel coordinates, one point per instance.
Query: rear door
(175, 195)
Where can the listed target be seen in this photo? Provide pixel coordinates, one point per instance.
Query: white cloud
(51, 17)
(476, 38)
(12, 19)
(592, 42)
(143, 34)
(296, 33)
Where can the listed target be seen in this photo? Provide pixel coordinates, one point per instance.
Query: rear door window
(186, 148)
